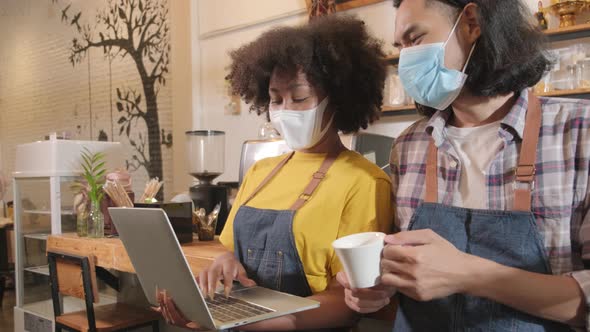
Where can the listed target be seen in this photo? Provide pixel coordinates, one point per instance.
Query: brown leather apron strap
(315, 181)
(431, 180)
(269, 177)
(525, 171)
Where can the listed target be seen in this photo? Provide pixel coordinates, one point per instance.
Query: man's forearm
(557, 298)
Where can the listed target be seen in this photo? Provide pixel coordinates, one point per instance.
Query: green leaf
(96, 158)
(85, 168)
(122, 120)
(88, 178)
(92, 196)
(100, 174)
(119, 107)
(98, 167)
(86, 156)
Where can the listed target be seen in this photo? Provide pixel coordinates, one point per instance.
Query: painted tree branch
(140, 29)
(142, 160)
(129, 104)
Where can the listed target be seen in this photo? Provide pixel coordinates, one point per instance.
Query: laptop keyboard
(229, 309)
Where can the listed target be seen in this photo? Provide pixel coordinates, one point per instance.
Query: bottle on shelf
(541, 19)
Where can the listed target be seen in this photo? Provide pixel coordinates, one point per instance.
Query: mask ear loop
(451, 34)
(323, 105)
(469, 57)
(453, 29)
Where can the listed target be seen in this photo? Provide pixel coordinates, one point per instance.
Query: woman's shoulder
(267, 164)
(356, 165)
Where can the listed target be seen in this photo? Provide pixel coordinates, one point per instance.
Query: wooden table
(111, 254)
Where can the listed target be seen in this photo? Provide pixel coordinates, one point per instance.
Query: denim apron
(509, 238)
(264, 241)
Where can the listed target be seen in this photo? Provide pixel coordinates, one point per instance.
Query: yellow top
(354, 197)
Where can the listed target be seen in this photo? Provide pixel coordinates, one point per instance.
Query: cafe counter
(111, 254)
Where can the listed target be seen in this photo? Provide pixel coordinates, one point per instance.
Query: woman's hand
(225, 266)
(365, 300)
(423, 265)
(172, 314)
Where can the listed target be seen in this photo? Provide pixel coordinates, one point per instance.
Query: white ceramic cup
(360, 255)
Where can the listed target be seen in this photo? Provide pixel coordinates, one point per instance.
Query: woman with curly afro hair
(314, 81)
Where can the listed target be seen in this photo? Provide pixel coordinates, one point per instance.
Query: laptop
(159, 262)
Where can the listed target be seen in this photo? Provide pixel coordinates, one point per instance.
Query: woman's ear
(471, 17)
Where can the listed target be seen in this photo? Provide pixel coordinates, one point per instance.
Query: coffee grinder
(206, 156)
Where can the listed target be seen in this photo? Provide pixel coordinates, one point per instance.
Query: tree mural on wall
(137, 29)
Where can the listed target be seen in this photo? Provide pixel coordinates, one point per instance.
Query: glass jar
(82, 223)
(267, 131)
(583, 74)
(395, 94)
(95, 221)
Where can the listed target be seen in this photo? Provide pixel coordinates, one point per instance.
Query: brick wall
(41, 91)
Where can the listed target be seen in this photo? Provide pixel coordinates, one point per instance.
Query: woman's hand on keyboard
(227, 267)
(172, 314)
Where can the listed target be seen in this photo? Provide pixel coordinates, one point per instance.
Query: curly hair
(336, 53)
(511, 54)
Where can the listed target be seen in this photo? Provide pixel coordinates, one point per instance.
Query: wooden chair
(75, 276)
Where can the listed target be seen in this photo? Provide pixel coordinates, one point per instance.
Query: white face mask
(302, 129)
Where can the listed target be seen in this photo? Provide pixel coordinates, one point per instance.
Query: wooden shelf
(392, 109)
(346, 5)
(569, 30)
(564, 93)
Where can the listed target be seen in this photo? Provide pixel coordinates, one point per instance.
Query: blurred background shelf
(566, 93)
(48, 212)
(568, 33)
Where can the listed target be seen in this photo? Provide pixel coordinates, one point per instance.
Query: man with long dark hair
(492, 188)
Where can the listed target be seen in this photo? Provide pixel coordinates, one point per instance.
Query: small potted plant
(94, 168)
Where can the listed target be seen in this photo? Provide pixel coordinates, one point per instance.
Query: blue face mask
(423, 74)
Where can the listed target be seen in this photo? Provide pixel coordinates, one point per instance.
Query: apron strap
(269, 177)
(526, 169)
(315, 181)
(524, 173)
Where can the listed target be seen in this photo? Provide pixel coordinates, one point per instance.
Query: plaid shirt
(561, 196)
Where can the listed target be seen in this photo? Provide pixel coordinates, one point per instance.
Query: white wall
(224, 25)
